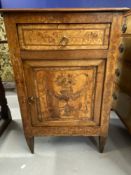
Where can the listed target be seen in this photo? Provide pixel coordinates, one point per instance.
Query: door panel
(64, 93)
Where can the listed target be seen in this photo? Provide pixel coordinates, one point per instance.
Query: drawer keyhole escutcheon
(64, 41)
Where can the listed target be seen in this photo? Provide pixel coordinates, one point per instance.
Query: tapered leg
(102, 142)
(30, 143)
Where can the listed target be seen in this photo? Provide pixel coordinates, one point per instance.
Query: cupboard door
(65, 93)
(122, 91)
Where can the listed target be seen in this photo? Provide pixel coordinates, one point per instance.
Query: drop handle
(64, 41)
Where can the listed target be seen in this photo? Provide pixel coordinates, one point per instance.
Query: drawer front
(63, 36)
(65, 93)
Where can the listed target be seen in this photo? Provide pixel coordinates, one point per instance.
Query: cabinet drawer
(65, 93)
(63, 36)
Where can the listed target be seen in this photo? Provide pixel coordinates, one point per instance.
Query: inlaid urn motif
(64, 93)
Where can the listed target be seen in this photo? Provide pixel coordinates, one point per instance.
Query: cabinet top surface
(64, 9)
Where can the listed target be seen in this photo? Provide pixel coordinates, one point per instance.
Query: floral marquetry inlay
(63, 36)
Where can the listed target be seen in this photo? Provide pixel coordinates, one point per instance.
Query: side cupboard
(68, 63)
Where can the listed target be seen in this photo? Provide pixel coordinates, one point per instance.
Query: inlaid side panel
(69, 94)
(63, 36)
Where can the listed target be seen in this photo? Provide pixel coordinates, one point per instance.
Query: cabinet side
(122, 86)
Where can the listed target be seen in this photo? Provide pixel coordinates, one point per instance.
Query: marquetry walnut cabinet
(64, 62)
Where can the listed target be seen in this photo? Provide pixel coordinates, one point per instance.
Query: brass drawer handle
(124, 28)
(121, 48)
(64, 41)
(114, 96)
(117, 72)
